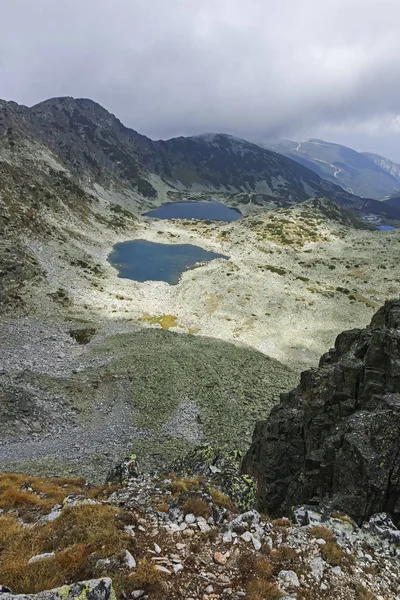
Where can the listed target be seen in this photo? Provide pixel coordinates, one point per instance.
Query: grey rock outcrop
(335, 439)
(93, 589)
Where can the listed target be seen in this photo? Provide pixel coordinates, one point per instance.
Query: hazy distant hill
(363, 174)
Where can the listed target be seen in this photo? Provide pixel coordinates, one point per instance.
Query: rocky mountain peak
(335, 438)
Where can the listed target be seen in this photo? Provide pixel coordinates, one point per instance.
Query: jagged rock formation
(336, 437)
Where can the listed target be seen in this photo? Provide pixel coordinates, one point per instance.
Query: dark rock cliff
(336, 438)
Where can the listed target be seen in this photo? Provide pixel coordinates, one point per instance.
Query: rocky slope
(361, 173)
(184, 532)
(188, 533)
(335, 438)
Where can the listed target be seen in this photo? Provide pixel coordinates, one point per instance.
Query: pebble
(190, 518)
(163, 569)
(256, 543)
(246, 536)
(180, 546)
(220, 558)
(288, 579)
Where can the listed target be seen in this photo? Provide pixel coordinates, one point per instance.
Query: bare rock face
(93, 589)
(335, 439)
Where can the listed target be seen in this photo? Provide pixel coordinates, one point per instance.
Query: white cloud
(167, 67)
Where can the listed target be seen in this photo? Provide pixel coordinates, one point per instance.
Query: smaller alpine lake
(141, 260)
(202, 210)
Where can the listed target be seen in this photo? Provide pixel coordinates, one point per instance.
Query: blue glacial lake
(205, 211)
(386, 228)
(148, 261)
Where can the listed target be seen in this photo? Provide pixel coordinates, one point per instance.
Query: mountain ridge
(100, 150)
(362, 173)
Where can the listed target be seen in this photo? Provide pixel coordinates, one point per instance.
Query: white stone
(256, 543)
(227, 537)
(288, 579)
(320, 542)
(190, 518)
(317, 568)
(163, 569)
(337, 571)
(202, 525)
(40, 557)
(246, 536)
(129, 530)
(323, 587)
(180, 546)
(157, 548)
(129, 560)
(177, 568)
(138, 593)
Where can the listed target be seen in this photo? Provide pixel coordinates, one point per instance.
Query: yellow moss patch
(165, 321)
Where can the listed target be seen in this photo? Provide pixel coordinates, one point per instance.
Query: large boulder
(336, 437)
(93, 589)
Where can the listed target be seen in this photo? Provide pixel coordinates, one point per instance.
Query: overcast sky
(254, 68)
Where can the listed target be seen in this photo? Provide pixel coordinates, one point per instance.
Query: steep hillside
(362, 174)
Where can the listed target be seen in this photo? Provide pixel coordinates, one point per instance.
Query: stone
(157, 548)
(163, 569)
(138, 593)
(129, 560)
(337, 571)
(190, 518)
(39, 557)
(317, 568)
(203, 525)
(256, 543)
(247, 536)
(331, 440)
(227, 536)
(288, 579)
(177, 568)
(124, 471)
(96, 589)
(188, 533)
(383, 525)
(220, 558)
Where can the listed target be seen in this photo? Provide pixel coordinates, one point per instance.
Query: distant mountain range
(95, 148)
(360, 173)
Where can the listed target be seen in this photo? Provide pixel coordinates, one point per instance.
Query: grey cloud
(256, 68)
